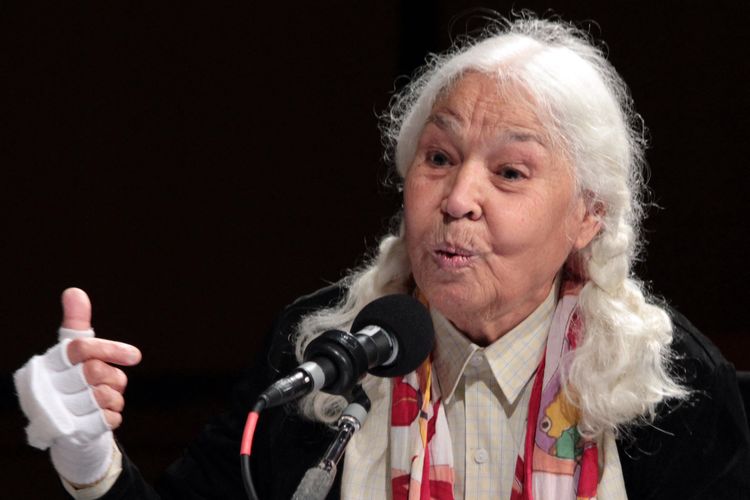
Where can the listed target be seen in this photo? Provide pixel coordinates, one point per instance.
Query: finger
(108, 398)
(109, 351)
(99, 373)
(113, 418)
(76, 309)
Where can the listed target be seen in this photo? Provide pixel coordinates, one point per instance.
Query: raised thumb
(76, 309)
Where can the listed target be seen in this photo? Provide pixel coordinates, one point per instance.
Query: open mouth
(453, 257)
(449, 254)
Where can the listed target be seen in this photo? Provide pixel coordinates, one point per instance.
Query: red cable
(247, 434)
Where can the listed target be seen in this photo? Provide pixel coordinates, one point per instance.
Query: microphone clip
(346, 358)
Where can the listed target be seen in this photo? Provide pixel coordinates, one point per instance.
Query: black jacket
(699, 449)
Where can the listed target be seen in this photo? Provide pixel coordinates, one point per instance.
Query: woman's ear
(591, 223)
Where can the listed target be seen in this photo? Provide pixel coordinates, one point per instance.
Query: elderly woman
(553, 375)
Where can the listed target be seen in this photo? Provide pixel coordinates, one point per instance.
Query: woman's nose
(463, 193)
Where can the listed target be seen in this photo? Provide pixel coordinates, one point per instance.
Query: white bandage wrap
(63, 413)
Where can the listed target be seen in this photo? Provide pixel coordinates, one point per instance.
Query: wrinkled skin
(491, 209)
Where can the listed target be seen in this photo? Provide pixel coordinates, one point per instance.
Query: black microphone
(393, 336)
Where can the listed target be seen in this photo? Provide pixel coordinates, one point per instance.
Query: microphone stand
(317, 481)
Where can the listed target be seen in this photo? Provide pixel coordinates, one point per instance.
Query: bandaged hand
(73, 397)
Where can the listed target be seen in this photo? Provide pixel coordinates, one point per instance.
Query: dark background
(195, 167)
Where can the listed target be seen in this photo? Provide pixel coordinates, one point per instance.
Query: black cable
(246, 446)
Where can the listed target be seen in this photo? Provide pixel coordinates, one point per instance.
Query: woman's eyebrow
(447, 121)
(522, 136)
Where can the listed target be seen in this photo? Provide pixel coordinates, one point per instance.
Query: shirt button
(481, 456)
(476, 360)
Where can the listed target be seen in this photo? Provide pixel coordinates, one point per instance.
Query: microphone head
(409, 322)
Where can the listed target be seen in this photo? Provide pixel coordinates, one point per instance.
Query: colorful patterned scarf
(563, 465)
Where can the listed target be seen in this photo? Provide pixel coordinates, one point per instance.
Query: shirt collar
(513, 358)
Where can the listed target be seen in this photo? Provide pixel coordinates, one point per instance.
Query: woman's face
(491, 209)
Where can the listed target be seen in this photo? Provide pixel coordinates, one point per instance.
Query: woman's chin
(454, 300)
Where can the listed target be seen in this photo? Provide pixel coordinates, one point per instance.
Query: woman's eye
(510, 173)
(438, 158)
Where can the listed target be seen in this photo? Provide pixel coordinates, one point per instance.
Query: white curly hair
(620, 371)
